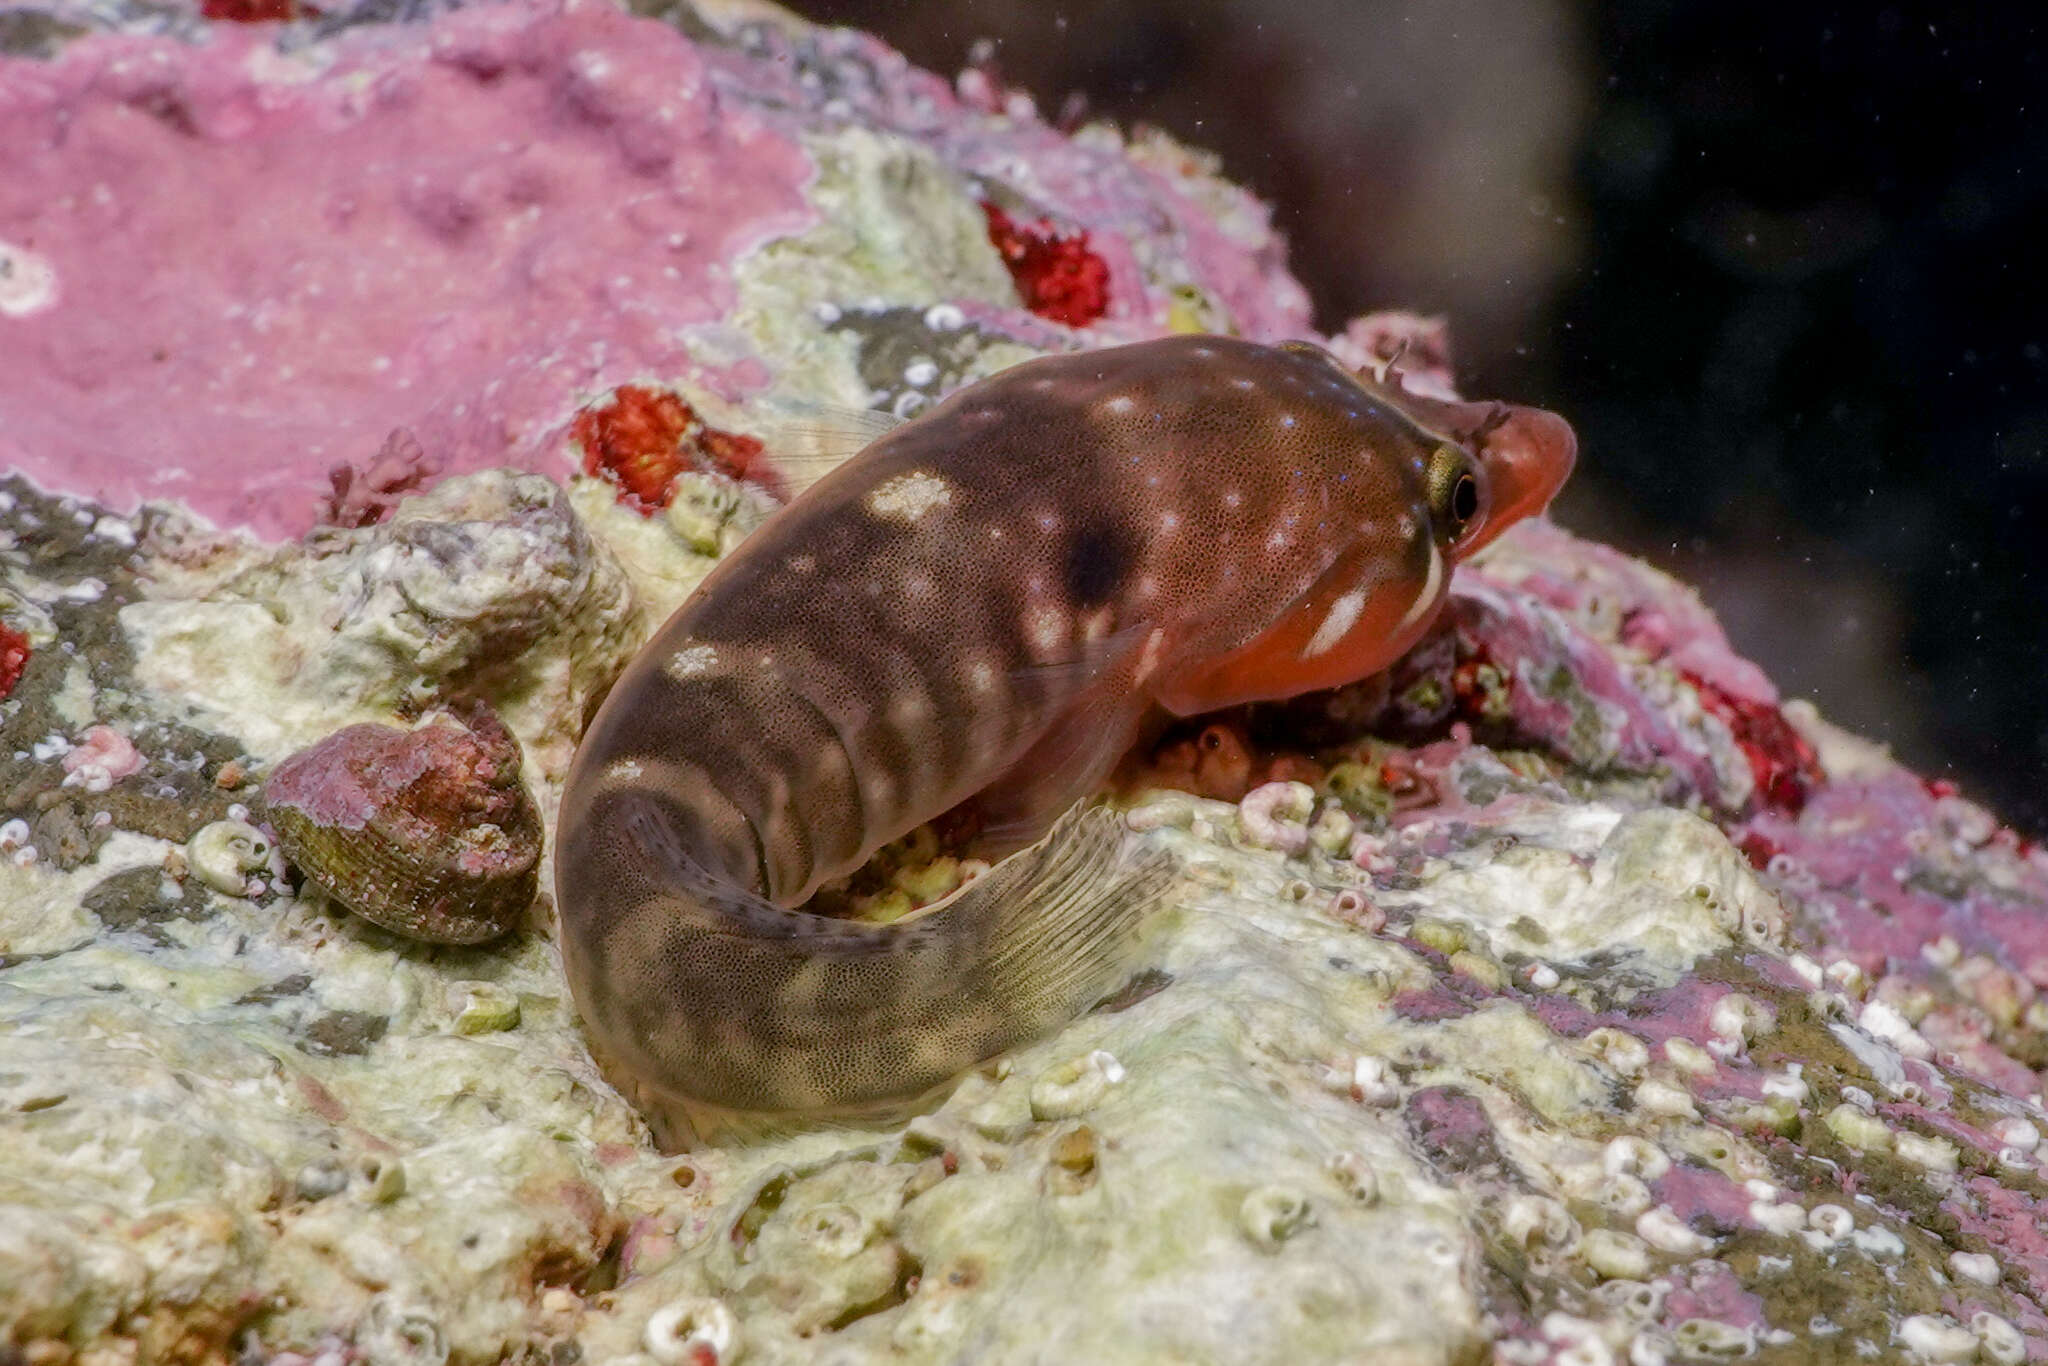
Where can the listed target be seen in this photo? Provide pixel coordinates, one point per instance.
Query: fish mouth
(1527, 453)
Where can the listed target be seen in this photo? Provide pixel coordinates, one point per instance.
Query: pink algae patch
(365, 495)
(459, 229)
(102, 753)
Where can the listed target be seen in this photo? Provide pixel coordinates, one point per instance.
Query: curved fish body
(984, 604)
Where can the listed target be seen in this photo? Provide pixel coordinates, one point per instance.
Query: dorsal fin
(806, 440)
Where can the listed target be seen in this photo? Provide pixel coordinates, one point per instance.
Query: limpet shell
(428, 832)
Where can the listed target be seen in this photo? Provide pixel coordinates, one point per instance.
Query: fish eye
(1465, 499)
(1456, 499)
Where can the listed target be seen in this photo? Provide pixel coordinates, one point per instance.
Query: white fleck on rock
(1786, 1085)
(1831, 1223)
(1663, 1098)
(1275, 816)
(1074, 1087)
(1998, 1341)
(1781, 1219)
(1979, 1267)
(1878, 1242)
(1620, 1050)
(1373, 1081)
(676, 1331)
(28, 282)
(2014, 1132)
(1631, 1155)
(1934, 1153)
(1614, 1255)
(1661, 1228)
(227, 854)
(1688, 1057)
(1937, 1337)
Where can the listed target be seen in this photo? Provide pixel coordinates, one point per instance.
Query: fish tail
(716, 1011)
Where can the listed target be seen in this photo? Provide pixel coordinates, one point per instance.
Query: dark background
(1779, 263)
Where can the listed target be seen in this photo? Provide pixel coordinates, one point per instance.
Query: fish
(983, 608)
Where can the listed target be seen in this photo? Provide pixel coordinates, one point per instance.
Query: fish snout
(1527, 458)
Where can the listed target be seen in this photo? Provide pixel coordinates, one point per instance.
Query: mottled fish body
(984, 604)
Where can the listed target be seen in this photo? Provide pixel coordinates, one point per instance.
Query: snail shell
(428, 832)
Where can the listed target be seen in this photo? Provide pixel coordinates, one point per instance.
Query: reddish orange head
(1524, 454)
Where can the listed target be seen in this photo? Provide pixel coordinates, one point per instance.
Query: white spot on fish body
(1045, 626)
(909, 496)
(1169, 520)
(981, 676)
(1426, 599)
(1337, 622)
(1122, 403)
(624, 770)
(1148, 658)
(692, 660)
(1278, 541)
(1232, 498)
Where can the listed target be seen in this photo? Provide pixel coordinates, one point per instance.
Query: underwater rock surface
(1565, 996)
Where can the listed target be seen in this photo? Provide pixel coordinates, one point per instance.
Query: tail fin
(707, 1003)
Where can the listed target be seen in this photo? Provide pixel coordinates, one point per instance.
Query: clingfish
(985, 604)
